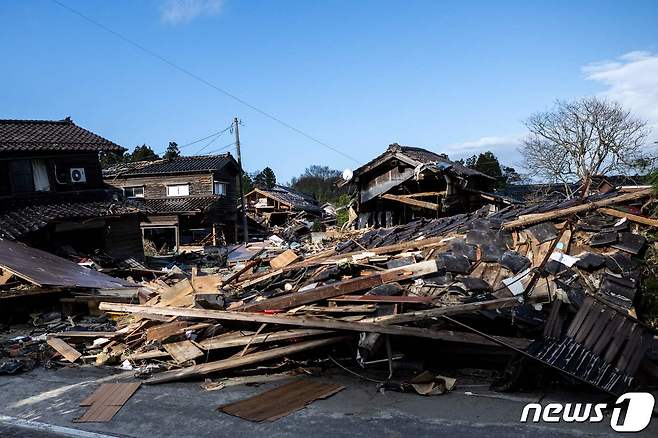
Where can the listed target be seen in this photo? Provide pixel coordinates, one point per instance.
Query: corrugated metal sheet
(45, 269)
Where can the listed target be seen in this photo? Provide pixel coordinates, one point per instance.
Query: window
(21, 176)
(178, 190)
(220, 188)
(134, 192)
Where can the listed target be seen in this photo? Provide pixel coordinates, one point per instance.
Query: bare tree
(578, 140)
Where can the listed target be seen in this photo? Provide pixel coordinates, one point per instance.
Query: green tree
(320, 181)
(247, 182)
(109, 159)
(172, 151)
(265, 179)
(143, 153)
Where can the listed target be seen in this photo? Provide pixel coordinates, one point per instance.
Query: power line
(202, 80)
(222, 148)
(208, 144)
(218, 134)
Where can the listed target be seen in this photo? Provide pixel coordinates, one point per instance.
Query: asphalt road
(48, 399)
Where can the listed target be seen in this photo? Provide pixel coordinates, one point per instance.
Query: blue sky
(456, 77)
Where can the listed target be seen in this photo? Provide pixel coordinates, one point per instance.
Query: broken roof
(191, 164)
(45, 269)
(23, 216)
(415, 156)
(293, 199)
(52, 136)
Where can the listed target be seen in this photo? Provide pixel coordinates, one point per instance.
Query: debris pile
(554, 284)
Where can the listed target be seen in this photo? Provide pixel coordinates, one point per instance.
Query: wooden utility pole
(236, 128)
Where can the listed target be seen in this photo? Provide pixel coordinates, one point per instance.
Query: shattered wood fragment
(69, 353)
(342, 288)
(164, 331)
(249, 359)
(284, 259)
(279, 402)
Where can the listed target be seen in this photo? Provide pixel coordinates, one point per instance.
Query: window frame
(186, 185)
(133, 196)
(215, 182)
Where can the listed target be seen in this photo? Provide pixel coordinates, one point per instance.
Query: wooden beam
(341, 288)
(423, 194)
(240, 339)
(384, 326)
(631, 217)
(383, 299)
(587, 206)
(414, 202)
(236, 362)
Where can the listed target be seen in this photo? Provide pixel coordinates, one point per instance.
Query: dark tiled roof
(422, 156)
(202, 163)
(51, 135)
(23, 216)
(298, 201)
(183, 204)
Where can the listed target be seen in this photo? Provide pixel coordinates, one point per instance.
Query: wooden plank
(383, 324)
(588, 206)
(631, 217)
(205, 283)
(284, 259)
(343, 287)
(235, 275)
(424, 194)
(163, 331)
(414, 202)
(383, 299)
(183, 351)
(281, 401)
(237, 362)
(5, 276)
(178, 295)
(69, 353)
(83, 334)
(106, 401)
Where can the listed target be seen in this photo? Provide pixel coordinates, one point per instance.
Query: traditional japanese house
(52, 194)
(276, 205)
(407, 182)
(190, 200)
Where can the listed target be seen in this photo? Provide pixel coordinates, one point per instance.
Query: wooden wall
(156, 186)
(123, 238)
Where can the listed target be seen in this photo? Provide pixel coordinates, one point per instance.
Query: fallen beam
(384, 327)
(631, 217)
(541, 217)
(341, 288)
(413, 202)
(237, 362)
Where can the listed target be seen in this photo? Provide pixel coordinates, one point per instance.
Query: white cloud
(631, 80)
(504, 147)
(184, 11)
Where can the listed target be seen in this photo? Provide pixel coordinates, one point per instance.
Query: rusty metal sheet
(45, 269)
(279, 402)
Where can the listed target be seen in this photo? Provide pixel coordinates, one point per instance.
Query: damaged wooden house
(52, 194)
(407, 182)
(277, 205)
(191, 201)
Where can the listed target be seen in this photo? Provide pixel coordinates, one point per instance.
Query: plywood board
(183, 351)
(279, 402)
(69, 353)
(284, 259)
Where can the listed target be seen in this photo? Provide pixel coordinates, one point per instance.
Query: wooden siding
(156, 186)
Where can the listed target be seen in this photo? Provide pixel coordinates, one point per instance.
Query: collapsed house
(277, 205)
(551, 286)
(405, 183)
(52, 192)
(190, 200)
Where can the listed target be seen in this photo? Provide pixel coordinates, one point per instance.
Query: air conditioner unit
(78, 175)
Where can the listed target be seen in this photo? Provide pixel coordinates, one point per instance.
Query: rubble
(552, 285)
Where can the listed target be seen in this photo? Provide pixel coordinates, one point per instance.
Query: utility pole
(245, 231)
